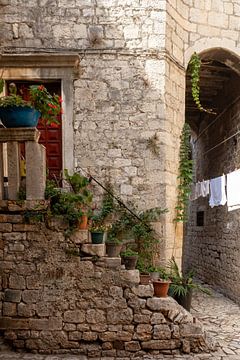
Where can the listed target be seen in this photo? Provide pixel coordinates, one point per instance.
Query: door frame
(49, 67)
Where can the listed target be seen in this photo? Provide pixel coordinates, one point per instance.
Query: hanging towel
(217, 191)
(233, 190)
(204, 188)
(195, 191)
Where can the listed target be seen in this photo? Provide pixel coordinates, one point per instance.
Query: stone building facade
(122, 66)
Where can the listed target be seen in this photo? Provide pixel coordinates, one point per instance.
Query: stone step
(94, 249)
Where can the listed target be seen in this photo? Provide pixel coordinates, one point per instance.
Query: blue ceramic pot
(19, 116)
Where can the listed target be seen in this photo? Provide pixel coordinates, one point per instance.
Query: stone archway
(212, 246)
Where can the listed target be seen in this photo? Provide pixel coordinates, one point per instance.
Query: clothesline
(220, 190)
(222, 142)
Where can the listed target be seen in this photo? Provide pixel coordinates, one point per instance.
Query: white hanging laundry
(195, 191)
(204, 188)
(217, 191)
(233, 190)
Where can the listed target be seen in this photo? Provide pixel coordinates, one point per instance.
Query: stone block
(161, 332)
(143, 332)
(5, 227)
(141, 319)
(132, 346)
(143, 291)
(19, 134)
(89, 336)
(74, 316)
(95, 250)
(12, 295)
(161, 344)
(130, 276)
(24, 227)
(110, 263)
(14, 324)
(31, 296)
(119, 316)
(25, 310)
(9, 309)
(190, 330)
(108, 336)
(95, 316)
(80, 237)
(162, 304)
(17, 282)
(75, 335)
(158, 318)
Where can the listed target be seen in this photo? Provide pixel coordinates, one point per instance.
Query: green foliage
(34, 216)
(129, 252)
(185, 175)
(182, 284)
(194, 67)
(69, 204)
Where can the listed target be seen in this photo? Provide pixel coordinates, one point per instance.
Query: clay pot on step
(161, 288)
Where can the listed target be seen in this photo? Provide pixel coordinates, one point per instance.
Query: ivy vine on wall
(185, 175)
(194, 67)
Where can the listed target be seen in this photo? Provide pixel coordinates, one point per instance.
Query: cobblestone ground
(220, 316)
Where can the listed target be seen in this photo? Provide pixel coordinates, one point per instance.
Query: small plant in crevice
(194, 67)
(185, 175)
(152, 144)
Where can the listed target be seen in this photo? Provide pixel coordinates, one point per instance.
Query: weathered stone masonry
(55, 301)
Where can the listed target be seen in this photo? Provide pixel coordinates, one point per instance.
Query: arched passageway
(211, 239)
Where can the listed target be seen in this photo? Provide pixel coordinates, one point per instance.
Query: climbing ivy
(185, 175)
(194, 67)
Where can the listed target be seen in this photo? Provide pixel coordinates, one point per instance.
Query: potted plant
(129, 258)
(182, 285)
(162, 283)
(97, 233)
(17, 112)
(144, 271)
(113, 246)
(80, 186)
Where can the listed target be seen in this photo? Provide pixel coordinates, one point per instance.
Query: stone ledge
(23, 205)
(19, 134)
(98, 249)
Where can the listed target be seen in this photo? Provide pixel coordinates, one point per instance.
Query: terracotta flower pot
(83, 222)
(161, 288)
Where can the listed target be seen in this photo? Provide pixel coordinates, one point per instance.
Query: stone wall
(133, 55)
(62, 295)
(213, 249)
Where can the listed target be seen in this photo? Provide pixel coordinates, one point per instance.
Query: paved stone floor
(220, 316)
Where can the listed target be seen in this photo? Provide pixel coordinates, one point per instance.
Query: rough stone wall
(131, 87)
(213, 249)
(58, 296)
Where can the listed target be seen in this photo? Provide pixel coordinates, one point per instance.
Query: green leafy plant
(70, 204)
(194, 68)
(129, 252)
(185, 175)
(39, 99)
(182, 284)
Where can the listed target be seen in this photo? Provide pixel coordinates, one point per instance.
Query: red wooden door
(51, 137)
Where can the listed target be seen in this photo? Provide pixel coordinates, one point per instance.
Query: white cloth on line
(204, 188)
(217, 191)
(233, 190)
